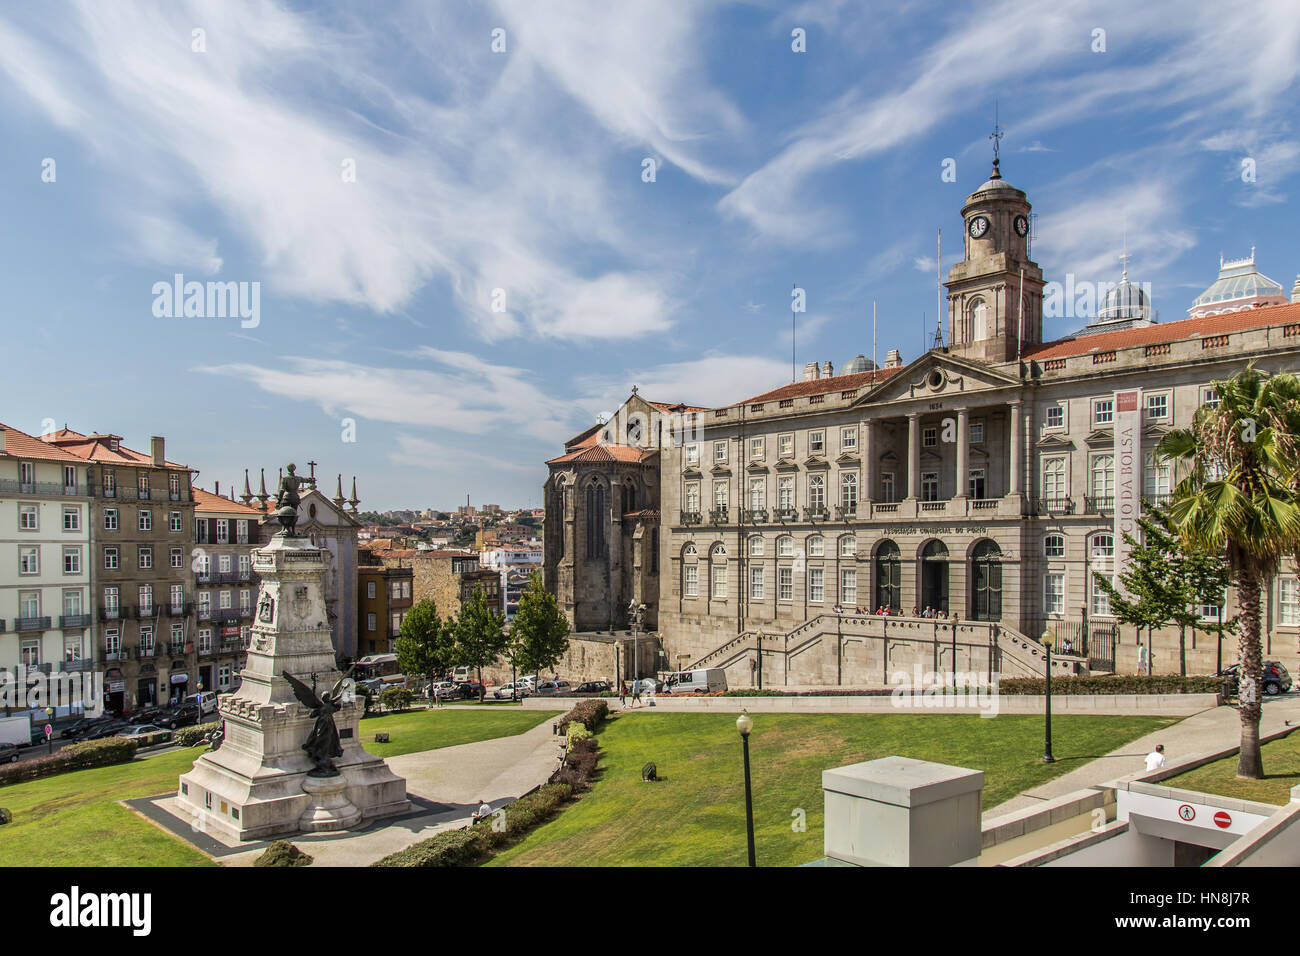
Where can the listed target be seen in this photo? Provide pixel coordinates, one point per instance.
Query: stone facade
(384, 595)
(225, 533)
(447, 577)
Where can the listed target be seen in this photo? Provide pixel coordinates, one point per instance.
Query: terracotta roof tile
(1168, 332)
(19, 444)
(606, 453)
(819, 386)
(95, 448)
(206, 501)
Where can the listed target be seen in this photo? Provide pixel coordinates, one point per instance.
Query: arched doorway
(934, 576)
(889, 576)
(986, 581)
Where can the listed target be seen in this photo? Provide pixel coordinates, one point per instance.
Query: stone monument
(289, 759)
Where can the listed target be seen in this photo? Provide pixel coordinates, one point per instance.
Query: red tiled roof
(19, 444)
(95, 448)
(604, 453)
(818, 386)
(678, 407)
(206, 501)
(1168, 332)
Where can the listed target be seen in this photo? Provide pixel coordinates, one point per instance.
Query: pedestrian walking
(622, 693)
(636, 692)
(1156, 758)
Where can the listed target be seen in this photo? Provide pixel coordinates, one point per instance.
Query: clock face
(978, 226)
(1022, 226)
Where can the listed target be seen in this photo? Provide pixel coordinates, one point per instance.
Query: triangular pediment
(1055, 442)
(1101, 436)
(937, 374)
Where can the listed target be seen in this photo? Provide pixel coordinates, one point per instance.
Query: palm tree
(1239, 496)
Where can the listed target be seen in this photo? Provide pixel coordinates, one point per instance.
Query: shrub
(590, 712)
(578, 732)
(193, 736)
(82, 756)
(281, 853)
(1113, 684)
(395, 698)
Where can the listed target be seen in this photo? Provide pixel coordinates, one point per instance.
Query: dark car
(1275, 678)
(469, 690)
(8, 753)
(592, 687)
(148, 715)
(107, 729)
(183, 716)
(81, 726)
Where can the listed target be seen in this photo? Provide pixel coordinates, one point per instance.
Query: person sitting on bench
(482, 813)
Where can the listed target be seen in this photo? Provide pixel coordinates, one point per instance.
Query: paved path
(443, 785)
(1209, 730)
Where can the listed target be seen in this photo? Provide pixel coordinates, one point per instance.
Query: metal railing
(31, 623)
(58, 488)
(1098, 505)
(74, 620)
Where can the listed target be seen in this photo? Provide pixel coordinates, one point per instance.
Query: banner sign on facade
(1128, 471)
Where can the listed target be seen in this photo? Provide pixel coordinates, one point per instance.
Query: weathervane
(996, 136)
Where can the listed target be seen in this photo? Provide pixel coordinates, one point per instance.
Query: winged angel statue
(322, 744)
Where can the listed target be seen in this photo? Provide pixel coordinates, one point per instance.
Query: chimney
(2, 439)
(1295, 297)
(893, 359)
(810, 372)
(216, 488)
(156, 447)
(829, 370)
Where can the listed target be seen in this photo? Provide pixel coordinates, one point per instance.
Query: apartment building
(224, 584)
(45, 556)
(385, 595)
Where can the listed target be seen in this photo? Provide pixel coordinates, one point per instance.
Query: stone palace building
(981, 481)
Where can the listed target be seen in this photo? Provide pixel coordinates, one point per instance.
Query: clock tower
(995, 294)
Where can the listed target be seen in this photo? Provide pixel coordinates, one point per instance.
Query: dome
(1126, 301)
(1239, 286)
(857, 364)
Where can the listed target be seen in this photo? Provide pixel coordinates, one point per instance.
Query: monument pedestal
(257, 785)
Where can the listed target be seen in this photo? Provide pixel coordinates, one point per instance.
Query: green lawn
(417, 730)
(74, 819)
(1281, 773)
(696, 816)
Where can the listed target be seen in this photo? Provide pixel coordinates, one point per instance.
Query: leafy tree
(541, 631)
(479, 631)
(425, 644)
(1239, 495)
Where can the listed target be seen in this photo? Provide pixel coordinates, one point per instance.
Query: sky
(468, 229)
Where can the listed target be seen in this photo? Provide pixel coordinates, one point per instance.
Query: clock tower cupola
(995, 294)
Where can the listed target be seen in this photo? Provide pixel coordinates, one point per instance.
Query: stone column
(963, 452)
(914, 455)
(868, 465)
(1017, 471)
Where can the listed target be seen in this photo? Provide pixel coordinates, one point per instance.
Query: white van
(206, 701)
(705, 680)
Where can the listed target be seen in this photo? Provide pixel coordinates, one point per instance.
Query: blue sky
(522, 171)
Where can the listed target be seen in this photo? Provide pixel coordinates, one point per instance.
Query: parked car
(80, 726)
(444, 689)
(185, 715)
(703, 680)
(1275, 678)
(146, 735)
(554, 688)
(148, 715)
(592, 687)
(206, 701)
(108, 729)
(9, 753)
(469, 690)
(511, 691)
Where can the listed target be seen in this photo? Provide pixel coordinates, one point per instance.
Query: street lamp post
(1047, 729)
(745, 724)
(49, 737)
(760, 659)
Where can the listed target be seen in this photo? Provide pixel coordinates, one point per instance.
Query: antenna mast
(793, 376)
(873, 340)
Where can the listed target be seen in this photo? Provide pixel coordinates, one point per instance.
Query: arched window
(718, 572)
(785, 546)
(1055, 488)
(849, 493)
(979, 320)
(654, 551)
(889, 576)
(848, 546)
(690, 571)
(595, 520)
(755, 545)
(934, 576)
(690, 551)
(815, 546)
(817, 492)
(1103, 479)
(986, 581)
(1054, 546)
(1101, 556)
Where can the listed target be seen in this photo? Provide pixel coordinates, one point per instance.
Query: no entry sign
(1222, 820)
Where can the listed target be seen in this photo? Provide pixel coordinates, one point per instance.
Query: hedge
(467, 846)
(82, 756)
(1114, 684)
(193, 736)
(591, 713)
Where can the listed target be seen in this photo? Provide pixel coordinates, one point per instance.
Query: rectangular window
(29, 603)
(785, 584)
(757, 449)
(371, 591)
(178, 635)
(241, 531)
(146, 640)
(1210, 396)
(756, 584)
(223, 563)
(757, 494)
(1054, 592)
(29, 560)
(71, 519)
(110, 519)
(785, 492)
(849, 586)
(1288, 601)
(29, 518)
(1054, 486)
(205, 640)
(145, 556)
(719, 452)
(785, 446)
(176, 597)
(372, 622)
(111, 559)
(177, 558)
(71, 603)
(976, 433)
(720, 496)
(71, 560)
(692, 454)
(112, 643)
(174, 521)
(223, 531)
(30, 654)
(244, 568)
(142, 484)
(69, 479)
(887, 487)
(201, 531)
(929, 486)
(1158, 406)
(110, 485)
(692, 577)
(719, 579)
(816, 443)
(849, 439)
(816, 585)
(929, 437)
(146, 600)
(223, 601)
(1100, 603)
(1157, 478)
(693, 497)
(112, 601)
(977, 489)
(174, 486)
(146, 520)
(1055, 416)
(1103, 411)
